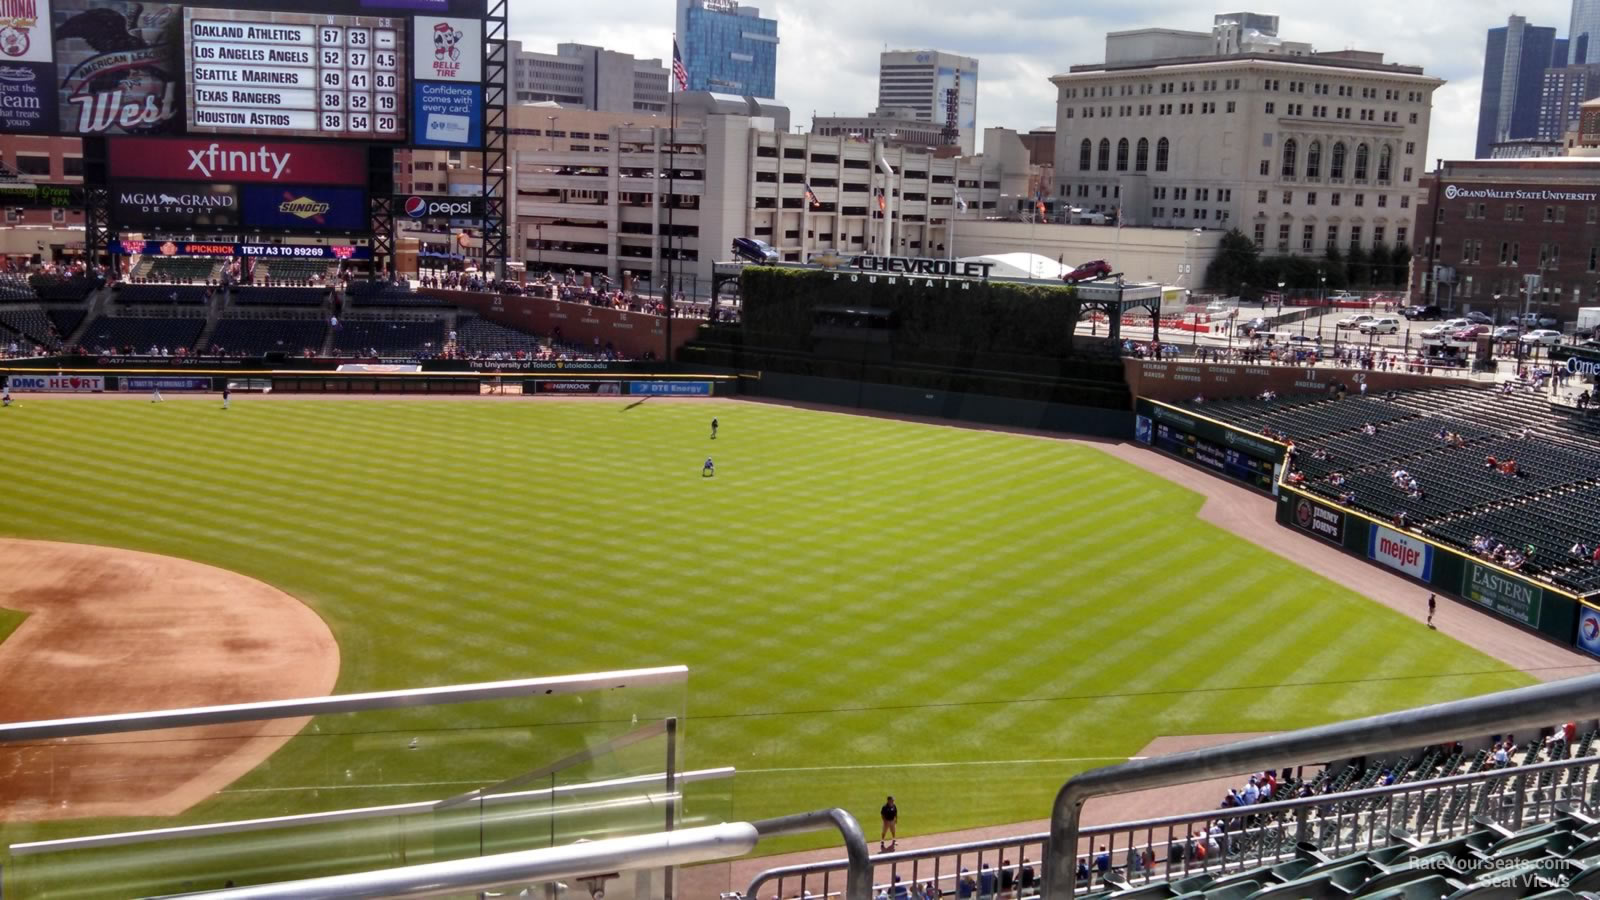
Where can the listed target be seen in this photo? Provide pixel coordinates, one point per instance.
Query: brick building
(1482, 225)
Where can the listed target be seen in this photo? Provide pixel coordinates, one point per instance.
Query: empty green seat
(1426, 887)
(1237, 890)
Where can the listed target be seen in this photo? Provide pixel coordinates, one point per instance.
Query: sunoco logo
(303, 207)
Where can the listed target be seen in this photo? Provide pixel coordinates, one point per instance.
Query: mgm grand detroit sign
(915, 271)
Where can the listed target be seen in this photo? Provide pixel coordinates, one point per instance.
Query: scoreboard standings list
(295, 74)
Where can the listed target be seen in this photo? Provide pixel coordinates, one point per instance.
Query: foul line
(935, 765)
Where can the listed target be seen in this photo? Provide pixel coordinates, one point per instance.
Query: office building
(1484, 224)
(1583, 30)
(1564, 91)
(1302, 152)
(939, 88)
(585, 77)
(895, 127)
(1516, 57)
(728, 48)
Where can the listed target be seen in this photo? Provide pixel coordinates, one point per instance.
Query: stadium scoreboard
(295, 75)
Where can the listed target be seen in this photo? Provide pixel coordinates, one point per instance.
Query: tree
(1379, 258)
(1333, 269)
(1355, 267)
(1238, 263)
(1400, 264)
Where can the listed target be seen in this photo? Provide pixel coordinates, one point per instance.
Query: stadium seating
(179, 270)
(31, 324)
(392, 339)
(137, 335)
(383, 293)
(254, 337)
(161, 294)
(58, 289)
(475, 336)
(14, 288)
(66, 321)
(1552, 503)
(293, 270)
(280, 296)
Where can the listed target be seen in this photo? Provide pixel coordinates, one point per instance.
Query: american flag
(678, 71)
(961, 204)
(1038, 202)
(883, 205)
(811, 197)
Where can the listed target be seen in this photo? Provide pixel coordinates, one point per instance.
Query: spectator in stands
(1369, 429)
(1501, 758)
(1008, 878)
(1252, 792)
(1490, 463)
(966, 887)
(1580, 550)
(987, 883)
(1319, 454)
(1348, 498)
(1083, 870)
(1025, 877)
(1336, 479)
(901, 892)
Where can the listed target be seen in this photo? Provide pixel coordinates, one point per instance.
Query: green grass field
(960, 618)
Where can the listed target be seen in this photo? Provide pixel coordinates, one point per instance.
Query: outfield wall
(633, 334)
(1178, 381)
(1516, 598)
(979, 408)
(1250, 459)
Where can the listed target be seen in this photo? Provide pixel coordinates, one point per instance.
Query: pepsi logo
(416, 207)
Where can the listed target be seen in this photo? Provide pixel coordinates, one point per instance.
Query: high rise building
(728, 48)
(1336, 139)
(1515, 58)
(937, 87)
(585, 77)
(1583, 33)
(1565, 89)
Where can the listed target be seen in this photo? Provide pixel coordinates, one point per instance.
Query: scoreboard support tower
(495, 138)
(96, 199)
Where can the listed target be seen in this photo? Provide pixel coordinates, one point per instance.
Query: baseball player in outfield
(227, 394)
(155, 393)
(709, 469)
(5, 394)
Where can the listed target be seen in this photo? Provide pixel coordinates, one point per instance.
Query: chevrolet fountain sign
(929, 272)
(1452, 192)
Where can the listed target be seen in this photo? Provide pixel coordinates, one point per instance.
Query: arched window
(1361, 162)
(1384, 159)
(1085, 150)
(1141, 155)
(1122, 155)
(1314, 160)
(1104, 162)
(1290, 150)
(1161, 155)
(1336, 167)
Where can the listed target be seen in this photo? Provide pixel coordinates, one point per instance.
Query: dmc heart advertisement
(119, 65)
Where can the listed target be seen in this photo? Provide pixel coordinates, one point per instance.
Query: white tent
(1021, 265)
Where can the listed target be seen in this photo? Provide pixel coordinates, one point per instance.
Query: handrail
(119, 723)
(1521, 708)
(573, 861)
(1204, 815)
(858, 880)
(125, 838)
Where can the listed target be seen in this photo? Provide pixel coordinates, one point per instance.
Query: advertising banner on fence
(1510, 597)
(212, 248)
(306, 208)
(174, 203)
(578, 387)
(255, 162)
(1260, 448)
(1322, 521)
(670, 388)
(1589, 629)
(68, 384)
(1401, 552)
(166, 384)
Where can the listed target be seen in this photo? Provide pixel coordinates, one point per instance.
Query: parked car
(1355, 321)
(752, 250)
(1478, 318)
(1453, 325)
(1096, 268)
(1507, 332)
(1382, 325)
(1439, 331)
(1543, 337)
(1251, 327)
(1302, 341)
(1344, 297)
(1535, 320)
(1422, 313)
(1470, 332)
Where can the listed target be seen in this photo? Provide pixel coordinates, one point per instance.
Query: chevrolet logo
(829, 259)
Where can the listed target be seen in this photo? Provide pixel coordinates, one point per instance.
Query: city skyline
(828, 62)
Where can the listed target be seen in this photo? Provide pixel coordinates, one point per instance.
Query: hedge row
(1028, 320)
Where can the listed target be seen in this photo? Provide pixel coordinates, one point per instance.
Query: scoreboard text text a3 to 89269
(295, 74)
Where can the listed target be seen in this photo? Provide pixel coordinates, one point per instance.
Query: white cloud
(828, 58)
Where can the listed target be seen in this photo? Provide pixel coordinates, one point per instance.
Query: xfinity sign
(224, 161)
(416, 207)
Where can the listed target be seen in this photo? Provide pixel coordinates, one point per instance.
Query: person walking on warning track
(709, 469)
(5, 394)
(713, 428)
(1433, 604)
(155, 394)
(891, 817)
(227, 394)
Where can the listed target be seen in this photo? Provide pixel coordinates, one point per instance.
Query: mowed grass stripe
(847, 591)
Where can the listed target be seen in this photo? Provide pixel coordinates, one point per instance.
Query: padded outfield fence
(555, 382)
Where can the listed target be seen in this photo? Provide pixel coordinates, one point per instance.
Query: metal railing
(1520, 709)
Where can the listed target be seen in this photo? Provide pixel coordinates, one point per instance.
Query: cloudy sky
(828, 58)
